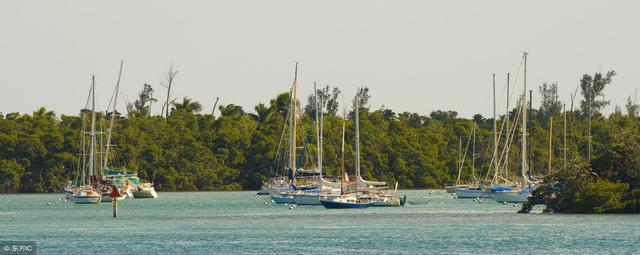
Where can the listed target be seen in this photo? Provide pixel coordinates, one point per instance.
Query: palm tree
(262, 112)
(281, 104)
(42, 112)
(188, 105)
(231, 110)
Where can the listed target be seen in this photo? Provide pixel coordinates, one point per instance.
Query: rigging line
(464, 156)
(508, 103)
(275, 158)
(507, 147)
(113, 94)
(515, 81)
(495, 152)
(86, 105)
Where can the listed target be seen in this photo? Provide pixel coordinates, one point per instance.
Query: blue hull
(339, 205)
(282, 200)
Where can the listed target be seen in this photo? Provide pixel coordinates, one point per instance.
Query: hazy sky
(415, 56)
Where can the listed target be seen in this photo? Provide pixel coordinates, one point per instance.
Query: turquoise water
(234, 222)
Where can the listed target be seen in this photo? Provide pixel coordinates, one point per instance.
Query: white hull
(271, 191)
(307, 199)
(87, 199)
(145, 193)
(107, 198)
(471, 193)
(387, 202)
(129, 193)
(452, 189)
(511, 196)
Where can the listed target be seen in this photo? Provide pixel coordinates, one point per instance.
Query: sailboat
(325, 188)
(479, 191)
(87, 193)
(278, 195)
(375, 191)
(472, 191)
(521, 192)
(346, 200)
(122, 183)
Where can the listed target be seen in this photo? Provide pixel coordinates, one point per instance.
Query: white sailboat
(277, 193)
(325, 188)
(87, 193)
(471, 191)
(120, 181)
(346, 200)
(522, 192)
(374, 191)
(478, 190)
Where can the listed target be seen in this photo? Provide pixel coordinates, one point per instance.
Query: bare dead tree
(170, 78)
(214, 106)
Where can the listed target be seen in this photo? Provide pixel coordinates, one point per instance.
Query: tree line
(187, 150)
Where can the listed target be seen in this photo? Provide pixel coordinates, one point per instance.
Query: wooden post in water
(114, 204)
(115, 194)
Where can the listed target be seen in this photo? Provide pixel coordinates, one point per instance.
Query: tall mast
(589, 98)
(315, 95)
(357, 116)
(530, 163)
(113, 115)
(459, 160)
(292, 127)
(473, 152)
(550, 137)
(83, 138)
(318, 129)
(564, 140)
(524, 121)
(506, 143)
(321, 106)
(495, 133)
(92, 134)
(342, 161)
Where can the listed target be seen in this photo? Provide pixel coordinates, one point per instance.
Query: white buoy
(291, 207)
(266, 202)
(514, 205)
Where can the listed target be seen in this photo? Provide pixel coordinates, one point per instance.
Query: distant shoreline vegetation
(191, 151)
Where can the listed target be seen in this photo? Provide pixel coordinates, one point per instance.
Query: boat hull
(452, 189)
(282, 200)
(472, 193)
(145, 193)
(307, 199)
(107, 198)
(87, 199)
(395, 203)
(510, 196)
(271, 191)
(344, 205)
